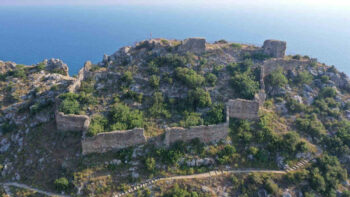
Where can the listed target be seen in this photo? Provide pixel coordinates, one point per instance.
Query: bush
(215, 115)
(189, 77)
(276, 78)
(158, 108)
(210, 79)
(244, 86)
(191, 119)
(303, 78)
(236, 45)
(310, 125)
(98, 125)
(122, 117)
(324, 79)
(328, 92)
(8, 127)
(127, 77)
(69, 106)
(150, 163)
(271, 187)
(61, 184)
(154, 81)
(198, 98)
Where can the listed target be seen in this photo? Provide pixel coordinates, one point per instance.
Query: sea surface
(77, 34)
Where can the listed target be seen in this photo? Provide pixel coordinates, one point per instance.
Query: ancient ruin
(243, 109)
(275, 48)
(72, 122)
(194, 45)
(206, 134)
(114, 140)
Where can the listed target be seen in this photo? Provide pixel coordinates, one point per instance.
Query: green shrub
(61, 184)
(271, 187)
(98, 125)
(189, 77)
(127, 77)
(328, 92)
(158, 108)
(324, 79)
(310, 125)
(41, 66)
(215, 115)
(154, 81)
(276, 78)
(236, 45)
(210, 79)
(303, 77)
(198, 98)
(244, 86)
(150, 164)
(191, 119)
(8, 127)
(69, 106)
(122, 117)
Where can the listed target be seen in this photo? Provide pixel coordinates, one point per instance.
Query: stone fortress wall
(72, 122)
(114, 140)
(238, 108)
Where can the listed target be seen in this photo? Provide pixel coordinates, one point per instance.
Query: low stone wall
(114, 140)
(206, 134)
(243, 109)
(81, 76)
(72, 122)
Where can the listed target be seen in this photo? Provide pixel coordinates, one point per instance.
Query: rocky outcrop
(72, 122)
(243, 109)
(6, 66)
(56, 65)
(206, 134)
(275, 48)
(114, 140)
(81, 76)
(194, 45)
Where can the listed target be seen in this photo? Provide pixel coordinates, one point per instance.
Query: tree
(191, 119)
(122, 117)
(215, 115)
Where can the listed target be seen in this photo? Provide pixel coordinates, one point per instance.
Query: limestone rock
(56, 65)
(194, 45)
(275, 48)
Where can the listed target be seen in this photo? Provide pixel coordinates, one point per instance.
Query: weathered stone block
(72, 122)
(275, 48)
(114, 140)
(243, 109)
(81, 76)
(194, 45)
(206, 134)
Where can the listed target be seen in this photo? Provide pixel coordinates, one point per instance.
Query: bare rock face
(56, 65)
(194, 45)
(275, 48)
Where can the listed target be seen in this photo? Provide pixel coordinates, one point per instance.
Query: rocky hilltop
(265, 122)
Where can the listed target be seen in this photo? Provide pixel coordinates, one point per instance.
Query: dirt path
(23, 186)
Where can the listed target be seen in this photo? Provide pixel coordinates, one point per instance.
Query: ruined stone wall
(272, 64)
(243, 109)
(72, 122)
(83, 74)
(114, 140)
(194, 45)
(206, 134)
(275, 48)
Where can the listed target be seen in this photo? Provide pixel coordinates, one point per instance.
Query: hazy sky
(344, 4)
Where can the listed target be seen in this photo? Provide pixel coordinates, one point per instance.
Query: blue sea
(77, 34)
